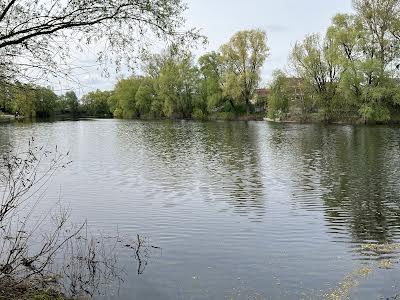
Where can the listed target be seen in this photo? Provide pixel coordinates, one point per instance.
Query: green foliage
(243, 56)
(96, 104)
(68, 104)
(178, 84)
(5, 97)
(175, 87)
(172, 86)
(317, 63)
(211, 85)
(118, 113)
(144, 97)
(72, 102)
(278, 100)
(24, 101)
(198, 114)
(125, 93)
(32, 101)
(354, 68)
(45, 100)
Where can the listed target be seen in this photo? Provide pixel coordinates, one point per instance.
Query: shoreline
(7, 118)
(11, 289)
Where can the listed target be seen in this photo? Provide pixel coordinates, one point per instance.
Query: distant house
(260, 100)
(263, 93)
(296, 102)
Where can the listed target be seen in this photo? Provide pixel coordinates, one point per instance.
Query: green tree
(381, 18)
(125, 95)
(96, 103)
(347, 33)
(278, 99)
(368, 51)
(45, 102)
(177, 83)
(211, 81)
(72, 102)
(68, 104)
(24, 100)
(33, 101)
(145, 98)
(6, 96)
(318, 64)
(244, 56)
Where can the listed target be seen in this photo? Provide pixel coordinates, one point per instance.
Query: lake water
(240, 210)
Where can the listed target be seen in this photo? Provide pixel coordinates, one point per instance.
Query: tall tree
(145, 99)
(125, 95)
(347, 33)
(244, 56)
(316, 62)
(278, 100)
(72, 104)
(178, 85)
(96, 103)
(381, 18)
(211, 85)
(176, 81)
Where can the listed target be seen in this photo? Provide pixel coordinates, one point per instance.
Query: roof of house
(262, 92)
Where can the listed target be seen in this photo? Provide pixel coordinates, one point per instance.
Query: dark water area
(240, 210)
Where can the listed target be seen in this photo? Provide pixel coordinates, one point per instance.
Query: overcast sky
(285, 21)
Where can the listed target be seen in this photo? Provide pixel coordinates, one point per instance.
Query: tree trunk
(247, 106)
(233, 105)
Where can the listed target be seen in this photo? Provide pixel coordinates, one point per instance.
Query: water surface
(240, 210)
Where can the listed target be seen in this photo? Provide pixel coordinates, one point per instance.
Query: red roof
(262, 92)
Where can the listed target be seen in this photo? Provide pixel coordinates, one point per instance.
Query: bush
(198, 114)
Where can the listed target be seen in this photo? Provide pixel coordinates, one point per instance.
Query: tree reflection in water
(351, 173)
(90, 266)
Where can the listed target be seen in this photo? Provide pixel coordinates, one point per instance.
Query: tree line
(350, 73)
(32, 101)
(172, 85)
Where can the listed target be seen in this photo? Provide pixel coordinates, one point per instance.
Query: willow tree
(244, 56)
(178, 85)
(369, 51)
(211, 83)
(348, 34)
(36, 36)
(316, 62)
(278, 100)
(382, 20)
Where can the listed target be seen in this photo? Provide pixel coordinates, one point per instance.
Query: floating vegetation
(379, 249)
(350, 282)
(386, 264)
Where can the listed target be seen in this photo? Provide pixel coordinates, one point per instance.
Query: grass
(10, 290)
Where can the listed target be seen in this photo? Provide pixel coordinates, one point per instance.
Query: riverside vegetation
(351, 74)
(223, 84)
